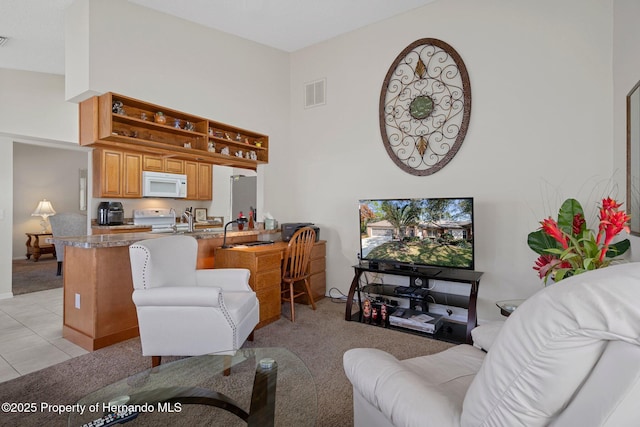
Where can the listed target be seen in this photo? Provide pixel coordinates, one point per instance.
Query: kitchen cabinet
(117, 121)
(199, 180)
(117, 173)
(157, 163)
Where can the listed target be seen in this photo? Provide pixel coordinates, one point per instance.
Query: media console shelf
(420, 279)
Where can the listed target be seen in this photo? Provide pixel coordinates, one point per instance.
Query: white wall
(540, 129)
(626, 73)
(33, 109)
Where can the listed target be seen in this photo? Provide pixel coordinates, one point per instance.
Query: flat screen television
(425, 232)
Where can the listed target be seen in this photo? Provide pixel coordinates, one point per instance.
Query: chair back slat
(298, 254)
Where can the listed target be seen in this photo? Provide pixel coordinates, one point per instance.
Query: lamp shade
(44, 209)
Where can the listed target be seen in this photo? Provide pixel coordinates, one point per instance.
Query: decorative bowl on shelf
(160, 118)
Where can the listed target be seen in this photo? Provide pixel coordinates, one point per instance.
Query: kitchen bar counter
(126, 239)
(98, 310)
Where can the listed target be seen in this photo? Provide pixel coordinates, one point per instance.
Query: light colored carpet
(319, 338)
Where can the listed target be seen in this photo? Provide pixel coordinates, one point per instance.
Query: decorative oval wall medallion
(425, 107)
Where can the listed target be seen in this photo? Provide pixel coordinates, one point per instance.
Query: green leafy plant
(567, 247)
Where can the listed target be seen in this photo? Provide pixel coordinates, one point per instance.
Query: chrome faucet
(188, 215)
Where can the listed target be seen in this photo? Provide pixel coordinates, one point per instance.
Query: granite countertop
(125, 239)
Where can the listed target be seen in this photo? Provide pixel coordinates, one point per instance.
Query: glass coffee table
(508, 306)
(266, 387)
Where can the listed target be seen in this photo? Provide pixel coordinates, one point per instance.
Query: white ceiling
(35, 28)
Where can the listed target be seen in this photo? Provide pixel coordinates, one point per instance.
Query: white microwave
(159, 184)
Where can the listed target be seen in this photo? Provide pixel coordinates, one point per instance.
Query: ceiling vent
(3, 40)
(315, 93)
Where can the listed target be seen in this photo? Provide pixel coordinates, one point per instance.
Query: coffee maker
(110, 213)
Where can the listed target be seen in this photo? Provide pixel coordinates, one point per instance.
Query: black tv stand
(451, 331)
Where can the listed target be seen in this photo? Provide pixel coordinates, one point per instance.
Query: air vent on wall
(315, 93)
(3, 40)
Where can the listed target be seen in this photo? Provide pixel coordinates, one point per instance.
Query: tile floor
(31, 334)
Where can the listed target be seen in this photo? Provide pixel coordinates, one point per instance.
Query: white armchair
(568, 356)
(187, 312)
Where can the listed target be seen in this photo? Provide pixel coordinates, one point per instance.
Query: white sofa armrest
(227, 279)
(177, 296)
(381, 379)
(484, 335)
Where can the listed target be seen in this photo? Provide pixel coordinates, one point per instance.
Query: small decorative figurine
(143, 116)
(238, 137)
(189, 126)
(258, 143)
(240, 225)
(117, 107)
(176, 123)
(211, 147)
(160, 118)
(225, 151)
(187, 145)
(251, 224)
(366, 311)
(384, 318)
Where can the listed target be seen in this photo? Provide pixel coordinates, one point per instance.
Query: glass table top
(508, 306)
(193, 390)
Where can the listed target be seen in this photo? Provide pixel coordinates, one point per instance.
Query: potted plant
(567, 247)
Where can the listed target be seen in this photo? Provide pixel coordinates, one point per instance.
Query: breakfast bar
(98, 309)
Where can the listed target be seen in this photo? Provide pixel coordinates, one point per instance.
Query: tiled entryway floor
(31, 334)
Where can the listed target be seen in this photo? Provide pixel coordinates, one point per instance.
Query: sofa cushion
(549, 346)
(407, 391)
(484, 335)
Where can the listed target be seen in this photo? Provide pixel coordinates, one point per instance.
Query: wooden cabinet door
(191, 170)
(204, 181)
(199, 180)
(174, 166)
(107, 173)
(117, 174)
(132, 175)
(153, 163)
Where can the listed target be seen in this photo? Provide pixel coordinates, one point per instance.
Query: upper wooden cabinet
(157, 163)
(117, 173)
(199, 180)
(113, 120)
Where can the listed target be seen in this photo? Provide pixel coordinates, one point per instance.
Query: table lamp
(45, 210)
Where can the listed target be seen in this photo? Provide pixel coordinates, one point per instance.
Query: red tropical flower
(546, 262)
(550, 227)
(612, 222)
(609, 203)
(578, 222)
(582, 248)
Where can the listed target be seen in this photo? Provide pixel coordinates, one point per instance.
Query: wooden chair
(295, 267)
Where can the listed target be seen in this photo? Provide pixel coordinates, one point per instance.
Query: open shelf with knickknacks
(114, 120)
(421, 292)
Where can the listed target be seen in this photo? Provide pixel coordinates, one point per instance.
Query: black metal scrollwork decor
(425, 106)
